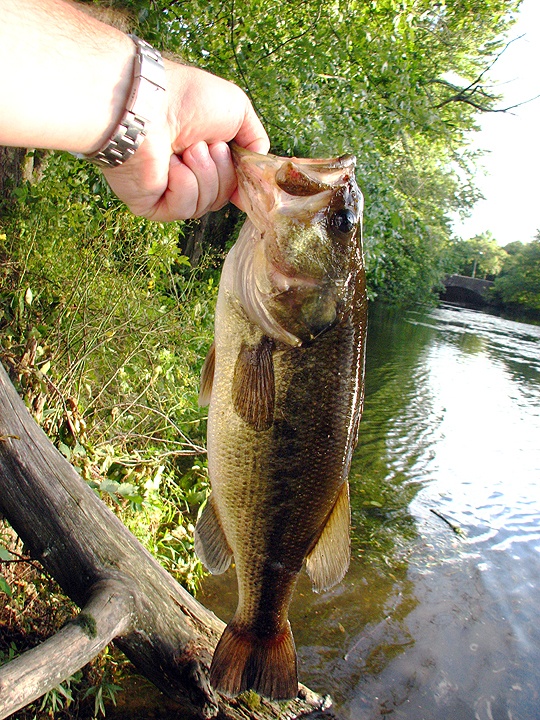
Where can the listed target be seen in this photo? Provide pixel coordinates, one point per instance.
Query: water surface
(439, 615)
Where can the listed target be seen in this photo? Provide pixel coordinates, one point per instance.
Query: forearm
(66, 76)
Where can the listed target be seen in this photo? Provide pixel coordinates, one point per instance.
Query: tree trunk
(126, 595)
(11, 173)
(212, 230)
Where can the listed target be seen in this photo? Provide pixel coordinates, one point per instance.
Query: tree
(480, 256)
(397, 83)
(519, 281)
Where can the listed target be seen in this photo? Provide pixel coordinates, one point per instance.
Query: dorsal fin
(329, 560)
(207, 376)
(253, 387)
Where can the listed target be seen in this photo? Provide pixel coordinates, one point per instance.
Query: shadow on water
(437, 618)
(360, 625)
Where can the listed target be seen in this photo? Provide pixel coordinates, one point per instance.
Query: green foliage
(399, 84)
(519, 281)
(481, 256)
(106, 326)
(5, 557)
(93, 288)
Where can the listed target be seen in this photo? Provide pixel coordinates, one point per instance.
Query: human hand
(183, 168)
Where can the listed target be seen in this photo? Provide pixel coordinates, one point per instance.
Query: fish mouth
(296, 186)
(289, 274)
(333, 167)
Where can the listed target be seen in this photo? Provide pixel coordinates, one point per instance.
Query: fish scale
(284, 381)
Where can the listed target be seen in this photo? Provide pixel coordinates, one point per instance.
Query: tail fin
(242, 661)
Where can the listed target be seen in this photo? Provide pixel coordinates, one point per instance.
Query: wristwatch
(146, 94)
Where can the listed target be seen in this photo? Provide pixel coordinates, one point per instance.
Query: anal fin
(210, 542)
(329, 560)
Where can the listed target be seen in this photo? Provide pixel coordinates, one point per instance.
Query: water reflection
(515, 344)
(430, 623)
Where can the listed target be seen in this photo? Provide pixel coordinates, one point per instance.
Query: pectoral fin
(211, 544)
(329, 560)
(253, 388)
(207, 377)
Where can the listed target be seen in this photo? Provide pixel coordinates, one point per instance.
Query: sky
(510, 178)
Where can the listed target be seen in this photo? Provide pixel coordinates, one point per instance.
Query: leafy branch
(475, 94)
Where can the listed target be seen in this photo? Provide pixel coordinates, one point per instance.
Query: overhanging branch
(475, 94)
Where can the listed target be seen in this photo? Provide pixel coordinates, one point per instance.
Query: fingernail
(201, 150)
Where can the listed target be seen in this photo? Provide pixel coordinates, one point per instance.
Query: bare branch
(470, 93)
(28, 677)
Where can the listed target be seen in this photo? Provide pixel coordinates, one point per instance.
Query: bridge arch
(466, 290)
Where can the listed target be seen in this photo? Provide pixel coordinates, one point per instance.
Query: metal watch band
(145, 96)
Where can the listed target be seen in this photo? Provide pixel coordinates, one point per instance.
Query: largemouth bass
(284, 380)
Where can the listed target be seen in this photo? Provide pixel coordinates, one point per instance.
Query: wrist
(144, 103)
(110, 97)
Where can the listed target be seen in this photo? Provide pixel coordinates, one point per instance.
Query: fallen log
(39, 670)
(126, 596)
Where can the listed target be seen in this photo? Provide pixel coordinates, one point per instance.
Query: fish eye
(343, 220)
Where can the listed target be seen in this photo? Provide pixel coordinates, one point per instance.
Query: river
(438, 617)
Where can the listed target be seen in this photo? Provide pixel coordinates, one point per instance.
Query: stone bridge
(466, 290)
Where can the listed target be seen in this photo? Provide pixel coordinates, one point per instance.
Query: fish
(284, 380)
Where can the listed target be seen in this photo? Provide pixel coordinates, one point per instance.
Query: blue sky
(510, 176)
